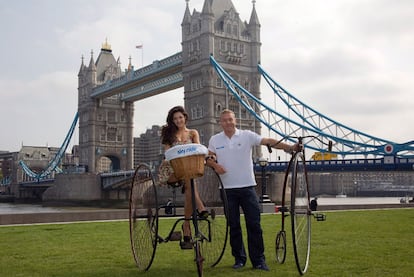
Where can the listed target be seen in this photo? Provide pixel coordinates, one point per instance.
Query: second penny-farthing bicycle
(298, 207)
(209, 235)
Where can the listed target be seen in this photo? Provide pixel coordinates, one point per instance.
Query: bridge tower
(218, 30)
(105, 125)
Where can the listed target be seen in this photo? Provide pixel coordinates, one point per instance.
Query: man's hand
(297, 147)
(219, 169)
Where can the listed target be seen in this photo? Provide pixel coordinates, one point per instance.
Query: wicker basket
(188, 167)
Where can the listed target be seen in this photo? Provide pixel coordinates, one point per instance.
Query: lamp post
(263, 163)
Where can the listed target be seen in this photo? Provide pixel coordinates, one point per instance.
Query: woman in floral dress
(175, 132)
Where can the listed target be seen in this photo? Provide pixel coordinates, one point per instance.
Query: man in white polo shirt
(230, 154)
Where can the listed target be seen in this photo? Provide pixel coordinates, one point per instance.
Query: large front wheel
(213, 229)
(300, 214)
(143, 217)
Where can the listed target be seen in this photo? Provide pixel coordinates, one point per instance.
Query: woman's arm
(195, 137)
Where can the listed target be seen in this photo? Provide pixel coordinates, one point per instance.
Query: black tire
(143, 217)
(280, 245)
(300, 214)
(198, 258)
(214, 229)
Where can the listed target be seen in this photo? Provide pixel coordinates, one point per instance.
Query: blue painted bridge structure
(158, 77)
(165, 75)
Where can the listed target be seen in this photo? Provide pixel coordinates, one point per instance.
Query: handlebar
(269, 148)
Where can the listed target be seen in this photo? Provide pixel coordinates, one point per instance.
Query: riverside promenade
(35, 214)
(70, 215)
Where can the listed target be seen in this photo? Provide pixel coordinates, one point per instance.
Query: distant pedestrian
(314, 204)
(169, 207)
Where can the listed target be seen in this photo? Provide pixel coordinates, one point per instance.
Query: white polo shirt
(235, 155)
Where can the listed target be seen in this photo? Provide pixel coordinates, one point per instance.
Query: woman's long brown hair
(169, 131)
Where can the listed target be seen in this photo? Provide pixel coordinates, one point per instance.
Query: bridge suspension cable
(302, 120)
(53, 164)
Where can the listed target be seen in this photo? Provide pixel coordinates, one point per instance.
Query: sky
(351, 60)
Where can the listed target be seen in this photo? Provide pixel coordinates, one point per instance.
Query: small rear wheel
(281, 247)
(280, 242)
(143, 217)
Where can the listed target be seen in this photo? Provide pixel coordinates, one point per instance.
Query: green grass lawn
(348, 243)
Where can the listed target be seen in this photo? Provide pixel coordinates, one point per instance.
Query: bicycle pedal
(186, 245)
(175, 236)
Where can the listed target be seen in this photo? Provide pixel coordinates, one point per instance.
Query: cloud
(38, 112)
(349, 60)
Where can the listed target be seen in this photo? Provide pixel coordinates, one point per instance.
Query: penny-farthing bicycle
(209, 235)
(296, 185)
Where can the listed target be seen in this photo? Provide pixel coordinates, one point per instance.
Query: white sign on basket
(184, 150)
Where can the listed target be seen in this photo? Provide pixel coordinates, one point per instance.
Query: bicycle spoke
(214, 229)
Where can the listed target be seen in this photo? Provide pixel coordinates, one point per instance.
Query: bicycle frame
(299, 210)
(209, 234)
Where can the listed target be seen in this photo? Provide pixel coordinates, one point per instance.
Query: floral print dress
(165, 171)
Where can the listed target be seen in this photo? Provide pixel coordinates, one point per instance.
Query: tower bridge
(156, 78)
(218, 67)
(106, 94)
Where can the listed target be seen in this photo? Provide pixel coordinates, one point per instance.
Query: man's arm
(288, 148)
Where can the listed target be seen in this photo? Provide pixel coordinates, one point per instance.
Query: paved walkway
(64, 216)
(363, 206)
(120, 214)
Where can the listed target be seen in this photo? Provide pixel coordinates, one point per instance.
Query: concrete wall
(74, 187)
(353, 184)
